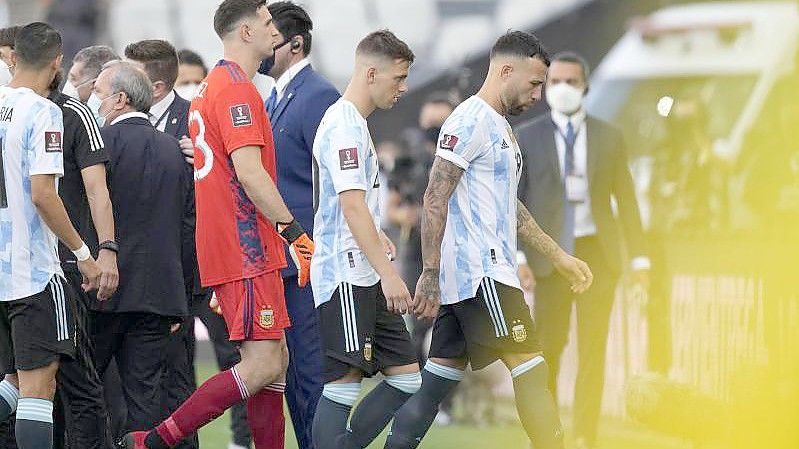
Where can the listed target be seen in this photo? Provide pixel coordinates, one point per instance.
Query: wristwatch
(110, 245)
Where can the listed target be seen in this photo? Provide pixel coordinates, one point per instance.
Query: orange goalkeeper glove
(301, 248)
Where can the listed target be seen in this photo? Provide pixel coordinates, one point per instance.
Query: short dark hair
(159, 58)
(387, 44)
(8, 35)
(570, 56)
(230, 12)
(37, 44)
(292, 20)
(189, 57)
(521, 44)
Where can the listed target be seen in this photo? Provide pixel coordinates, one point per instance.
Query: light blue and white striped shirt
(31, 133)
(480, 234)
(344, 159)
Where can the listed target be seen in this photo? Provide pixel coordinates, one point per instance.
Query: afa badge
(519, 332)
(367, 351)
(267, 318)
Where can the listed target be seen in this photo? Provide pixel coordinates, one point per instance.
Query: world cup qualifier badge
(519, 332)
(267, 318)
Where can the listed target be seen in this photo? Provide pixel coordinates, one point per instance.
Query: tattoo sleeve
(532, 235)
(444, 177)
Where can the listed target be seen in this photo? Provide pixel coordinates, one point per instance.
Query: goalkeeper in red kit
(242, 224)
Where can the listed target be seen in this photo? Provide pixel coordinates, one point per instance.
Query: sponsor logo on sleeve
(52, 142)
(240, 115)
(448, 142)
(348, 158)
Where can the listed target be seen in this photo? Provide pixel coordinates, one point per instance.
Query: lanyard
(164, 114)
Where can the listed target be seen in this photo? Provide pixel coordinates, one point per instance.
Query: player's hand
(574, 270)
(91, 275)
(427, 300)
(388, 245)
(213, 304)
(398, 298)
(526, 277)
(109, 275)
(301, 248)
(187, 148)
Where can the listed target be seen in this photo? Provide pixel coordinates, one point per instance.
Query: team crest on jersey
(448, 142)
(367, 351)
(52, 142)
(519, 332)
(240, 115)
(348, 158)
(267, 318)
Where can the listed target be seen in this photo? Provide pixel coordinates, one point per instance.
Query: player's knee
(38, 383)
(406, 383)
(535, 364)
(344, 393)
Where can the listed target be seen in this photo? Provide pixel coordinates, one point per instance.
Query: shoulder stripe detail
(89, 124)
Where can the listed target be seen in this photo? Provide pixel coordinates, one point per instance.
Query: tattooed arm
(573, 269)
(444, 177)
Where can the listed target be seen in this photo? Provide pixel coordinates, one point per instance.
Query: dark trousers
(137, 342)
(553, 306)
(304, 379)
(227, 356)
(79, 414)
(177, 379)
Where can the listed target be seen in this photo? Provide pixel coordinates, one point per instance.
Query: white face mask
(564, 98)
(187, 91)
(71, 90)
(5, 74)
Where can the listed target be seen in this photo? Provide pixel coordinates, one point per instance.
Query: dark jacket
(541, 189)
(294, 125)
(151, 193)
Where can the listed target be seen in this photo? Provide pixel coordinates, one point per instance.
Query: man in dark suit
(153, 202)
(170, 114)
(574, 165)
(296, 105)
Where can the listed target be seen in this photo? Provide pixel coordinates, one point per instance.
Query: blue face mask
(268, 63)
(93, 103)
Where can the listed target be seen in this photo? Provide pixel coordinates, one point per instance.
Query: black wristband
(292, 231)
(110, 245)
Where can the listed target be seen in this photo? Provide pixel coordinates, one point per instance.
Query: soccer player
(469, 232)
(357, 291)
(240, 253)
(37, 320)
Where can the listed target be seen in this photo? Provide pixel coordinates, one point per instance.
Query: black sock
(372, 415)
(9, 396)
(34, 428)
(536, 407)
(413, 419)
(329, 423)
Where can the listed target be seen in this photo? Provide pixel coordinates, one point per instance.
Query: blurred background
(707, 96)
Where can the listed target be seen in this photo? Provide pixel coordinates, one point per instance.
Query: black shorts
(38, 330)
(481, 329)
(359, 331)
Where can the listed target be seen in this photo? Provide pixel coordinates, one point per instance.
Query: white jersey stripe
(353, 319)
(491, 313)
(88, 122)
(345, 318)
(62, 307)
(498, 305)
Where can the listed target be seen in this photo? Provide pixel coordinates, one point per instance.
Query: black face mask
(432, 133)
(268, 63)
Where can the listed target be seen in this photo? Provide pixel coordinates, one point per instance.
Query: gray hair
(129, 78)
(93, 59)
(570, 56)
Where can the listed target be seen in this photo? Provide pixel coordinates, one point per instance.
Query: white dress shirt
(128, 115)
(287, 76)
(584, 224)
(160, 111)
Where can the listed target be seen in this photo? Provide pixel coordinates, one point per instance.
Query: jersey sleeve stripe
(89, 124)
